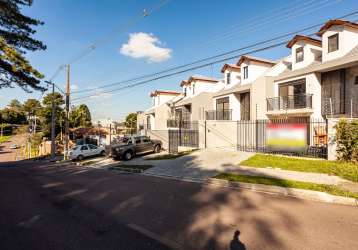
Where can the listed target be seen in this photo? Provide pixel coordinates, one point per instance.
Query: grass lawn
(331, 189)
(169, 156)
(345, 170)
(136, 167)
(4, 138)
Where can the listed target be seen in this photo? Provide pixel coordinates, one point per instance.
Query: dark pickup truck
(130, 146)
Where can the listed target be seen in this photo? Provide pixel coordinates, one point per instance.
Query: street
(71, 207)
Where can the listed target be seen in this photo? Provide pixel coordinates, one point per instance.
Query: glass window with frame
(333, 44)
(193, 89)
(246, 72)
(145, 139)
(84, 148)
(92, 146)
(137, 140)
(228, 77)
(299, 54)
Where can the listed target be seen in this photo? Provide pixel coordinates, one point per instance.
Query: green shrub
(347, 140)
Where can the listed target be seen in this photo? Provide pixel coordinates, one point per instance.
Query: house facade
(155, 118)
(322, 78)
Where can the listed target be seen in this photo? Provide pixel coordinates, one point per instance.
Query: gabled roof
(333, 22)
(306, 39)
(202, 78)
(163, 92)
(230, 66)
(255, 59)
(183, 83)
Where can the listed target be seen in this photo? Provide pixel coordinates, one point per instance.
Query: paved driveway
(203, 163)
(7, 154)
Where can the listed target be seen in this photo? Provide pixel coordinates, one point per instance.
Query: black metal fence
(224, 114)
(253, 136)
(183, 133)
(289, 102)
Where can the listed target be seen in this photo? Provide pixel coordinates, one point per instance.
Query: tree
(32, 107)
(80, 117)
(46, 113)
(13, 113)
(15, 39)
(131, 122)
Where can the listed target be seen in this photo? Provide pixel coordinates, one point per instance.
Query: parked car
(130, 146)
(80, 152)
(14, 146)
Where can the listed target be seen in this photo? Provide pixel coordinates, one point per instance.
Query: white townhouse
(196, 98)
(155, 118)
(322, 78)
(244, 89)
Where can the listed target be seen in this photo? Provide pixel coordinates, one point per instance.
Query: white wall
(308, 54)
(255, 70)
(161, 99)
(235, 77)
(347, 40)
(234, 104)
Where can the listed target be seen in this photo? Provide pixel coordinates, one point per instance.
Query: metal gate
(252, 136)
(186, 134)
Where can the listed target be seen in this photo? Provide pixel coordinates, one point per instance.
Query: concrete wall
(220, 134)
(161, 135)
(162, 114)
(199, 105)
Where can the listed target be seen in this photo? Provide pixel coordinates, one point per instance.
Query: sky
(179, 32)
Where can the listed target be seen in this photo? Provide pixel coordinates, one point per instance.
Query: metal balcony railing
(224, 114)
(289, 102)
(182, 124)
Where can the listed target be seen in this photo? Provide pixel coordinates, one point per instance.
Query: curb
(131, 170)
(288, 192)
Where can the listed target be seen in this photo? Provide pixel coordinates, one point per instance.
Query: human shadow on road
(235, 243)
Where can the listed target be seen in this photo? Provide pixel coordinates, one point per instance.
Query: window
(356, 80)
(92, 146)
(137, 140)
(145, 139)
(193, 89)
(246, 72)
(299, 54)
(333, 43)
(84, 148)
(184, 91)
(228, 78)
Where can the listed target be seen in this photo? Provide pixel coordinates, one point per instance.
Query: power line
(109, 36)
(210, 58)
(183, 71)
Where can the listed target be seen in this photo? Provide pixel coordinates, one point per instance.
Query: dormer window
(333, 43)
(193, 89)
(299, 54)
(228, 77)
(184, 91)
(246, 72)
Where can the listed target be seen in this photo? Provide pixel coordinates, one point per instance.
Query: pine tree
(15, 39)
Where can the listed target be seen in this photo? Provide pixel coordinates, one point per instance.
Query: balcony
(289, 103)
(224, 114)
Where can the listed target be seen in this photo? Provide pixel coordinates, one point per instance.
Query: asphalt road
(46, 207)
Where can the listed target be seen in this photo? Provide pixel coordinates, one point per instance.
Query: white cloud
(143, 45)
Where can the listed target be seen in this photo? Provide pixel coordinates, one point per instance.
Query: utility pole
(53, 118)
(65, 155)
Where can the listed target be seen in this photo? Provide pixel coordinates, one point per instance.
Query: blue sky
(187, 30)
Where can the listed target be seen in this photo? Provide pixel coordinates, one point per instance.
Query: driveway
(203, 163)
(7, 154)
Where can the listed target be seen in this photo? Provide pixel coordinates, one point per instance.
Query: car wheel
(157, 149)
(128, 155)
(80, 157)
(103, 153)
